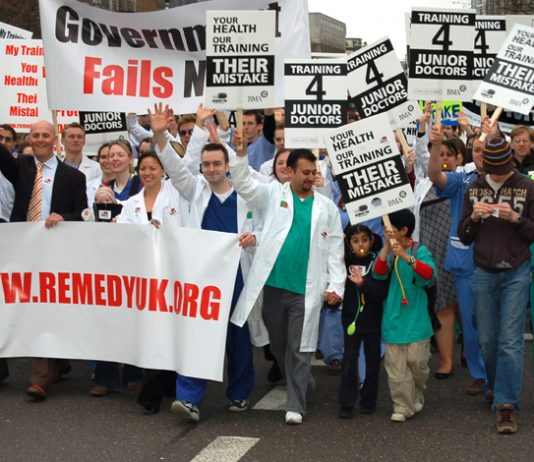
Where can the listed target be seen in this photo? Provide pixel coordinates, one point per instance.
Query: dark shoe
(345, 413)
(37, 392)
(149, 410)
(489, 396)
(100, 391)
(319, 355)
(443, 375)
(366, 410)
(134, 386)
(238, 406)
(334, 367)
(476, 388)
(506, 420)
(274, 374)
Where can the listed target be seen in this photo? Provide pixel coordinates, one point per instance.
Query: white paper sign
(8, 32)
(315, 100)
(104, 61)
(102, 127)
(491, 32)
(377, 84)
(369, 169)
(441, 54)
(133, 294)
(510, 81)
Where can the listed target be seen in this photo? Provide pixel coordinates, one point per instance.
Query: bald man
(62, 198)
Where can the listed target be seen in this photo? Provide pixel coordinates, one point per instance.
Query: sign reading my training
(369, 169)
(510, 81)
(441, 54)
(377, 83)
(315, 100)
(240, 59)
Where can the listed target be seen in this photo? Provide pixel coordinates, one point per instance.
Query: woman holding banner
(125, 184)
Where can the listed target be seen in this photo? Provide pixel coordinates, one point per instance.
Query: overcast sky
(373, 19)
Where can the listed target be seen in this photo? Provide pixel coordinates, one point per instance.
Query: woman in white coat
(158, 202)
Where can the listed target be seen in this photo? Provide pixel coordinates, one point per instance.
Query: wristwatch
(412, 260)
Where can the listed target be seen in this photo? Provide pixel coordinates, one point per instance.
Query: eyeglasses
(8, 138)
(186, 132)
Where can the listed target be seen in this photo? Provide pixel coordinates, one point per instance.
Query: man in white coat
(214, 205)
(298, 264)
(73, 139)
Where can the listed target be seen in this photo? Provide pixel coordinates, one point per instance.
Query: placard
(491, 32)
(9, 32)
(102, 127)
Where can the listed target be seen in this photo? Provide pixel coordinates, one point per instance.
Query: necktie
(34, 210)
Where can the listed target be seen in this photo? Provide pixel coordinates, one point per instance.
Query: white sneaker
(293, 418)
(187, 411)
(398, 417)
(419, 405)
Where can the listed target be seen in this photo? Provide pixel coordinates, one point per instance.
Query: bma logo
(258, 98)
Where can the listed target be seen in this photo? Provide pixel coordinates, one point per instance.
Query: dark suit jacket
(68, 190)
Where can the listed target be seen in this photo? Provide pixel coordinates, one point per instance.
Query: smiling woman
(121, 159)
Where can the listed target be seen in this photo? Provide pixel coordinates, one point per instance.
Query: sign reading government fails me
(510, 81)
(240, 59)
(441, 54)
(377, 84)
(369, 169)
(315, 100)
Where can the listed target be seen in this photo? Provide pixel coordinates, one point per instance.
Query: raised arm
(434, 164)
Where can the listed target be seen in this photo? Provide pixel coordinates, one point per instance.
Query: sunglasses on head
(186, 132)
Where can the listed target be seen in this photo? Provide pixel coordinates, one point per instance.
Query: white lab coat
(196, 190)
(90, 169)
(167, 208)
(326, 268)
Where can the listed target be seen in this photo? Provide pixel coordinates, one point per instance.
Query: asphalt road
(72, 426)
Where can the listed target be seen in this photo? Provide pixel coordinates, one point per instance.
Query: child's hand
(355, 275)
(399, 251)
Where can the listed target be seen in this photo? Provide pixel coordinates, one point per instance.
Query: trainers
(345, 413)
(506, 420)
(398, 417)
(37, 392)
(238, 406)
(99, 391)
(476, 388)
(419, 405)
(293, 418)
(186, 410)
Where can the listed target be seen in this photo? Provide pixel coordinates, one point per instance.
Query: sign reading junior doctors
(369, 169)
(240, 59)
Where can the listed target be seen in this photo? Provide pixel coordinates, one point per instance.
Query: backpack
(431, 292)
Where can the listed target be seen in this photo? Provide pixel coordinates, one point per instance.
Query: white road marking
(275, 400)
(226, 449)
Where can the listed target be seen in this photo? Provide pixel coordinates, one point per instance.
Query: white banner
(8, 32)
(157, 299)
(440, 64)
(102, 127)
(510, 81)
(369, 169)
(23, 88)
(315, 100)
(377, 84)
(103, 61)
(240, 59)
(491, 32)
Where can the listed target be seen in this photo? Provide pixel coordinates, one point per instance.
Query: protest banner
(8, 32)
(102, 127)
(315, 100)
(240, 59)
(449, 111)
(369, 169)
(440, 63)
(507, 121)
(377, 84)
(510, 81)
(23, 89)
(105, 61)
(131, 294)
(491, 32)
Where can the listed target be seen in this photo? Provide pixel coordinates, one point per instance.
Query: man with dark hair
(259, 133)
(498, 216)
(298, 264)
(215, 206)
(73, 139)
(8, 136)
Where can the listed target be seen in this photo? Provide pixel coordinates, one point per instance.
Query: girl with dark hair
(361, 318)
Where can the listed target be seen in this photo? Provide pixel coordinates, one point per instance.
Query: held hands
(332, 298)
(247, 240)
(161, 118)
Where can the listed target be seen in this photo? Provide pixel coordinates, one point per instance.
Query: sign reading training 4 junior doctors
(369, 169)
(240, 59)
(315, 100)
(491, 32)
(441, 54)
(377, 83)
(133, 294)
(510, 81)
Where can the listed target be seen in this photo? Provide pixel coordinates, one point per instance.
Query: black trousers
(156, 385)
(348, 389)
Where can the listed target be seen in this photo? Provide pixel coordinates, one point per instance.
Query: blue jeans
(500, 302)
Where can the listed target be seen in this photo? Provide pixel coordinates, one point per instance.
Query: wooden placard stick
(496, 114)
(438, 112)
(402, 139)
(387, 225)
(483, 112)
(239, 127)
(58, 142)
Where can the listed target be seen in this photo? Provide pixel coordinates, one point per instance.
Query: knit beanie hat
(497, 157)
